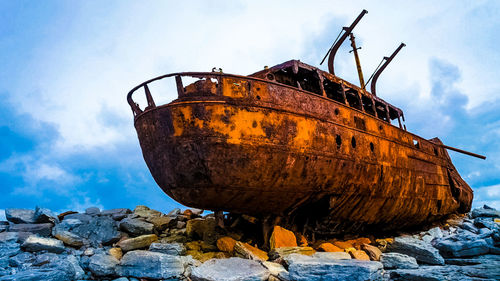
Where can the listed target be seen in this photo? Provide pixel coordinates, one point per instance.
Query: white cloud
(489, 195)
(2, 215)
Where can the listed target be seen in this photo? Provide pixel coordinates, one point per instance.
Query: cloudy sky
(67, 136)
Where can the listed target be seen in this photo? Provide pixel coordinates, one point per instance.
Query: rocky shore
(145, 244)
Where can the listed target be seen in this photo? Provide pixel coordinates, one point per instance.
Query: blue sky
(67, 135)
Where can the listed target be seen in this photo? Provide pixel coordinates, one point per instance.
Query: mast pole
(356, 58)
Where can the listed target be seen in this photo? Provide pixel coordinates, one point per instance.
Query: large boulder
(20, 215)
(301, 267)
(485, 211)
(103, 265)
(282, 237)
(232, 269)
(136, 226)
(398, 260)
(43, 215)
(42, 229)
(451, 248)
(420, 250)
(97, 230)
(35, 244)
(145, 264)
(140, 242)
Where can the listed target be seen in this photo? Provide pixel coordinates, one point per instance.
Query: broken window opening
(334, 90)
(416, 143)
(353, 142)
(304, 79)
(381, 111)
(368, 105)
(394, 116)
(352, 97)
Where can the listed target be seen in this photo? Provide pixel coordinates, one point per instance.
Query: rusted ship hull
(248, 145)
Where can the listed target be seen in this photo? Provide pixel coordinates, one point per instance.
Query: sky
(67, 136)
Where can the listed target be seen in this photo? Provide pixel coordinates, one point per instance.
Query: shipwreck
(296, 143)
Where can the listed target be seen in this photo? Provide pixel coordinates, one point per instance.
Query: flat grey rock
(232, 269)
(8, 244)
(43, 215)
(452, 248)
(97, 230)
(93, 211)
(103, 265)
(302, 268)
(136, 226)
(36, 244)
(20, 215)
(485, 211)
(145, 264)
(398, 260)
(42, 229)
(176, 249)
(59, 270)
(420, 250)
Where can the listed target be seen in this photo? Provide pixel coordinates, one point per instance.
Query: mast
(356, 58)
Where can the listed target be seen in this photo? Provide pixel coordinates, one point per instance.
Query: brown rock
(69, 238)
(202, 228)
(203, 257)
(372, 251)
(226, 244)
(329, 247)
(161, 223)
(188, 213)
(343, 244)
(359, 255)
(382, 243)
(356, 243)
(247, 251)
(193, 245)
(146, 212)
(116, 252)
(282, 238)
(142, 241)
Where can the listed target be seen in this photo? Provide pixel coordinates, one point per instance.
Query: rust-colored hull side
(258, 148)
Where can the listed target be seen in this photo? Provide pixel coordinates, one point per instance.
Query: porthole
(353, 142)
(258, 97)
(372, 147)
(270, 76)
(337, 111)
(338, 140)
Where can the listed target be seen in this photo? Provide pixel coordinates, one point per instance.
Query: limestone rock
(485, 211)
(285, 251)
(58, 270)
(232, 269)
(359, 255)
(70, 239)
(301, 267)
(175, 249)
(282, 237)
(162, 223)
(117, 214)
(43, 215)
(372, 251)
(145, 212)
(276, 270)
(397, 260)
(117, 253)
(203, 257)
(136, 226)
(202, 228)
(93, 211)
(245, 250)
(465, 248)
(332, 255)
(97, 230)
(103, 265)
(142, 241)
(8, 244)
(226, 244)
(145, 264)
(20, 215)
(35, 244)
(329, 247)
(418, 249)
(42, 229)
